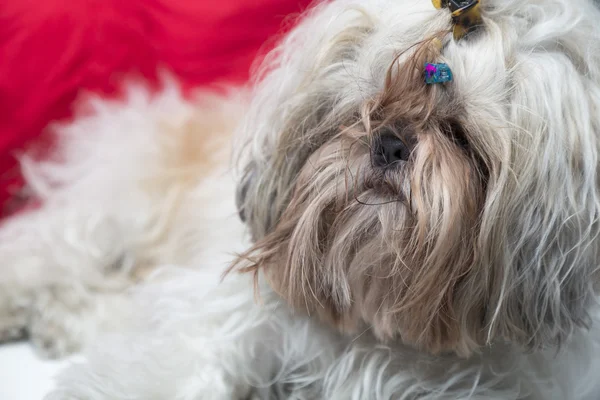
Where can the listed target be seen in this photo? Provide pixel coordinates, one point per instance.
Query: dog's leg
(13, 314)
(193, 338)
(63, 318)
(60, 267)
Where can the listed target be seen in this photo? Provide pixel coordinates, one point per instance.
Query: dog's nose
(388, 149)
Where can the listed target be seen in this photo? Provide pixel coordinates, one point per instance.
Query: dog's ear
(539, 236)
(541, 258)
(241, 193)
(542, 275)
(258, 198)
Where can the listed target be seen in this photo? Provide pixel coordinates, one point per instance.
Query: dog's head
(447, 216)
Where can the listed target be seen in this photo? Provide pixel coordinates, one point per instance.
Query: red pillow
(51, 50)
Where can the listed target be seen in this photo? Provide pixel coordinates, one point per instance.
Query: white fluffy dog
(408, 241)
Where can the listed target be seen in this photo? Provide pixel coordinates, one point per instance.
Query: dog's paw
(60, 320)
(14, 311)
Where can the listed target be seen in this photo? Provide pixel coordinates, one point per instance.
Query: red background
(53, 50)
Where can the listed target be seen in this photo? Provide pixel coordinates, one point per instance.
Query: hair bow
(466, 15)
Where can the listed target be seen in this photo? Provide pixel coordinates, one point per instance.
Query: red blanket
(52, 50)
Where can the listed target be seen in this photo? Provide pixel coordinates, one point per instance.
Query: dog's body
(135, 185)
(465, 268)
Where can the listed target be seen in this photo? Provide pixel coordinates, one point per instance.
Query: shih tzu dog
(421, 192)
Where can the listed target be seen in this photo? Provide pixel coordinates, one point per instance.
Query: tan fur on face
(387, 249)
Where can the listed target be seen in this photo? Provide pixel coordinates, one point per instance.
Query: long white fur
(184, 334)
(111, 213)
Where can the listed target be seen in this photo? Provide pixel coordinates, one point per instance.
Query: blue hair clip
(437, 73)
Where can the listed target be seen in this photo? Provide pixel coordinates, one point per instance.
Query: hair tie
(437, 73)
(466, 15)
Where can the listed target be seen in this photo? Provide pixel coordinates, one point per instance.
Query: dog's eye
(388, 149)
(458, 135)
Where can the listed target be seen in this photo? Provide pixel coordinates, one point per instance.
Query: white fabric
(23, 375)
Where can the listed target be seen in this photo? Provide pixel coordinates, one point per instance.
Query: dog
(400, 240)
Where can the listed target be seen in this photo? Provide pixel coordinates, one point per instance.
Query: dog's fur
(131, 187)
(467, 271)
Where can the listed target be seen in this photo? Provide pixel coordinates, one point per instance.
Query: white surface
(23, 376)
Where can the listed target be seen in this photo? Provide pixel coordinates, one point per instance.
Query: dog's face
(446, 216)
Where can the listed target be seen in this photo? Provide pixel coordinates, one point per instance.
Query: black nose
(388, 149)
